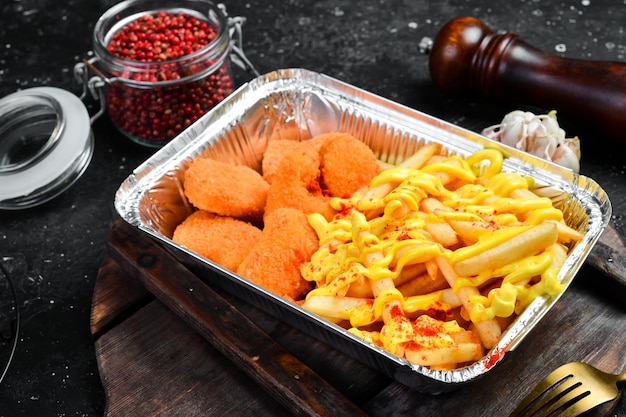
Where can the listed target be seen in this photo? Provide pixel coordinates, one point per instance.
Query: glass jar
(46, 141)
(165, 64)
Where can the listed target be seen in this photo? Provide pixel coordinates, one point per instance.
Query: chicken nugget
(296, 184)
(347, 165)
(227, 190)
(278, 148)
(224, 240)
(318, 141)
(275, 152)
(274, 262)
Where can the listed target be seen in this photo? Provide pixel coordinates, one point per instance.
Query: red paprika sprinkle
(494, 357)
(168, 80)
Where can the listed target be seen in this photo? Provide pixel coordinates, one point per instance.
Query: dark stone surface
(52, 252)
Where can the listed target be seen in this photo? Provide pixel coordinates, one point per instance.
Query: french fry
(415, 161)
(560, 255)
(470, 230)
(449, 297)
(384, 165)
(419, 158)
(428, 356)
(435, 159)
(361, 288)
(444, 177)
(566, 233)
(488, 330)
(442, 232)
(432, 269)
(524, 244)
(448, 170)
(409, 273)
(414, 253)
(466, 348)
(432, 205)
(523, 193)
(333, 306)
(422, 284)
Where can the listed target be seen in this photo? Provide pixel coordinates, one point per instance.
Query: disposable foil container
(299, 104)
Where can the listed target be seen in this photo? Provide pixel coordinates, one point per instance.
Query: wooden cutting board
(168, 345)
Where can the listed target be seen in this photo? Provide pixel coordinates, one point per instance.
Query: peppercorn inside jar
(166, 64)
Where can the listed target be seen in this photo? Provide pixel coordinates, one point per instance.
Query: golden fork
(570, 390)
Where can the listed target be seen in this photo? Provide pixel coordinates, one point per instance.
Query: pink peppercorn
(169, 67)
(161, 38)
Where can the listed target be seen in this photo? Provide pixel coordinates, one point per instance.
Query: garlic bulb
(539, 135)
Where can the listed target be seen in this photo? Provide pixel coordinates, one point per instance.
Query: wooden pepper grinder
(468, 57)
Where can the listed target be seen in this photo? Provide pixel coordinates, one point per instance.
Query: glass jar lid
(46, 143)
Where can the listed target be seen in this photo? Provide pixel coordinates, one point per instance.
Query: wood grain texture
(609, 256)
(156, 366)
(282, 375)
(115, 297)
(157, 361)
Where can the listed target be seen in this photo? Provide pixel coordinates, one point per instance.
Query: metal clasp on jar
(237, 56)
(94, 85)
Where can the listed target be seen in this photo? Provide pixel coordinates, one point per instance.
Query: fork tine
(572, 395)
(570, 390)
(551, 395)
(583, 405)
(544, 392)
(531, 398)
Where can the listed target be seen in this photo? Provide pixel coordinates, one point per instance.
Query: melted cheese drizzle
(377, 237)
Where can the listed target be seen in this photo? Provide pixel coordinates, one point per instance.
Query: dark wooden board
(161, 352)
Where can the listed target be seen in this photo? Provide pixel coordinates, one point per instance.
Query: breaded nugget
(274, 263)
(227, 190)
(296, 184)
(318, 141)
(347, 165)
(277, 149)
(275, 152)
(224, 240)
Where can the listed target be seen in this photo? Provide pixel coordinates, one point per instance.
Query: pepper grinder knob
(468, 57)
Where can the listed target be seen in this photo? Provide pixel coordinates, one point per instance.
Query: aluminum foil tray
(300, 104)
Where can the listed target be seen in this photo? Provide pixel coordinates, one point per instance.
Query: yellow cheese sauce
(376, 236)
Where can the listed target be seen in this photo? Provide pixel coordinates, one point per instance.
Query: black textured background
(53, 252)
